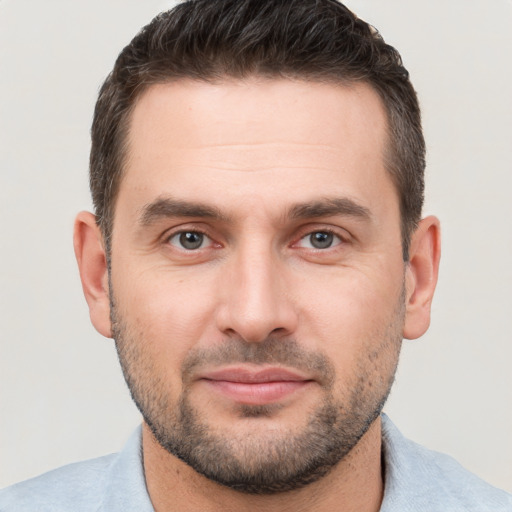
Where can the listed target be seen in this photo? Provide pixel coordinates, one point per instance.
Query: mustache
(280, 351)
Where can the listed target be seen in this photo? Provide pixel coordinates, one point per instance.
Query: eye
(190, 240)
(320, 240)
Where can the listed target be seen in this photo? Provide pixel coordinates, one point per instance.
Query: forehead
(251, 133)
(218, 113)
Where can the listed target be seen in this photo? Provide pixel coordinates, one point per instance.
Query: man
(258, 254)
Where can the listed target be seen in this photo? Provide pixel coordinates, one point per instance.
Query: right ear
(92, 263)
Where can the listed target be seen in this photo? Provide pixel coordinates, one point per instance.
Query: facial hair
(266, 461)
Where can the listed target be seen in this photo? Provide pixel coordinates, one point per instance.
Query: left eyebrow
(328, 207)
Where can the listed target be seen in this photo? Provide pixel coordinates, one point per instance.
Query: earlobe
(92, 263)
(421, 276)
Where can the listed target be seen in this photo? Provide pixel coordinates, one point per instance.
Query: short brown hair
(316, 40)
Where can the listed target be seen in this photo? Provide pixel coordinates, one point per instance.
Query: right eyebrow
(167, 207)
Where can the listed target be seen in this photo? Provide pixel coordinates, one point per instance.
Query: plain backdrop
(62, 396)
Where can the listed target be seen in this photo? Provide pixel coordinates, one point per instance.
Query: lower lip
(258, 393)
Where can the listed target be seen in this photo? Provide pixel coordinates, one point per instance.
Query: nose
(255, 298)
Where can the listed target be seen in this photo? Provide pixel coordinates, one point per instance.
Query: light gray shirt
(416, 480)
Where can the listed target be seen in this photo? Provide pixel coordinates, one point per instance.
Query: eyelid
(334, 244)
(308, 230)
(206, 241)
(187, 228)
(342, 234)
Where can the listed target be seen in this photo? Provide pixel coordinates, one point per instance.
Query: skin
(253, 150)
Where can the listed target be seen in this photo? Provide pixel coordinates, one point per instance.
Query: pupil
(191, 240)
(321, 240)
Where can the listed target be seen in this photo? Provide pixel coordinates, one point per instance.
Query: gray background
(62, 397)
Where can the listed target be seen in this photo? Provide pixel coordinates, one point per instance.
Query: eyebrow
(166, 207)
(330, 207)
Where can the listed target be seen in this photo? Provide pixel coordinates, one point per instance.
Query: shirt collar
(409, 482)
(125, 486)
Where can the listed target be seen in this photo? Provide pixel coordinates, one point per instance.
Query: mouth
(255, 386)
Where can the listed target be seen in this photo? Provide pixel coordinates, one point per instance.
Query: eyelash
(342, 239)
(169, 236)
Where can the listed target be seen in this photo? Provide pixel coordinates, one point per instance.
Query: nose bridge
(256, 302)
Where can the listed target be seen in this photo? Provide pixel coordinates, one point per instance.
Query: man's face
(257, 280)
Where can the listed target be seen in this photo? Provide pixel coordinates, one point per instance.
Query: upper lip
(254, 375)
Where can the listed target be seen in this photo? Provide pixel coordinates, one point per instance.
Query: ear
(92, 263)
(421, 276)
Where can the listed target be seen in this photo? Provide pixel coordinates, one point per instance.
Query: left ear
(421, 276)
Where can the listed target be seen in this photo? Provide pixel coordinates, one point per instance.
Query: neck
(354, 484)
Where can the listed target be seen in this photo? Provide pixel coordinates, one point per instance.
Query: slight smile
(256, 387)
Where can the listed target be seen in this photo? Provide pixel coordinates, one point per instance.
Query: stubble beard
(264, 462)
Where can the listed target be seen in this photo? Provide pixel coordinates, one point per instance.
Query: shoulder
(420, 479)
(107, 484)
(74, 487)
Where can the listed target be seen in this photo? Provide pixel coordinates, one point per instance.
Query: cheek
(349, 311)
(360, 331)
(169, 314)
